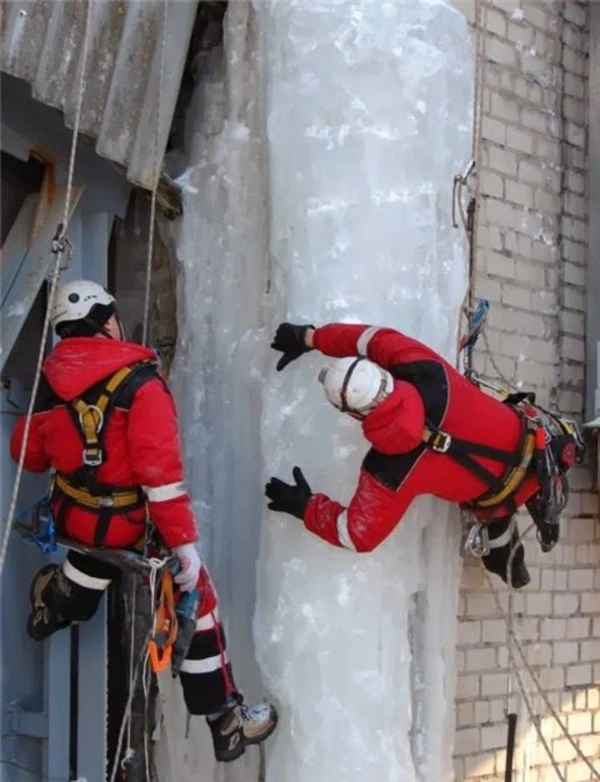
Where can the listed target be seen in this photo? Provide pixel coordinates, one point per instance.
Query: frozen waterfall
(322, 140)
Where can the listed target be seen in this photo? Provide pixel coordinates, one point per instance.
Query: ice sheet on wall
(321, 144)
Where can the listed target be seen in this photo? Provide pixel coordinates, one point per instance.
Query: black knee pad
(497, 560)
(69, 600)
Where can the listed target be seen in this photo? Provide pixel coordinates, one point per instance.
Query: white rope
(474, 167)
(513, 639)
(481, 15)
(526, 700)
(54, 277)
(127, 712)
(155, 181)
(129, 751)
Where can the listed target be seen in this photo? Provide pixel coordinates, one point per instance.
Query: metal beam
(93, 698)
(34, 268)
(14, 248)
(56, 700)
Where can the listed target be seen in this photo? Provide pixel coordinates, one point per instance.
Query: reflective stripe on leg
(82, 579)
(208, 665)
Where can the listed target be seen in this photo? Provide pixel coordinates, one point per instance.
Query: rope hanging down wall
(470, 221)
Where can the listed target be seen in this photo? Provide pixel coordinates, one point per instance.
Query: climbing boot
(42, 622)
(503, 537)
(239, 726)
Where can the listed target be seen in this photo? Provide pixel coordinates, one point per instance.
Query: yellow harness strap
(116, 499)
(91, 417)
(514, 477)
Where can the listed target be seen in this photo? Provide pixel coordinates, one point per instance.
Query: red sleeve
(371, 516)
(36, 459)
(384, 346)
(155, 454)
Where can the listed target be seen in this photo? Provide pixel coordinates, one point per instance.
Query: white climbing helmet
(356, 385)
(74, 301)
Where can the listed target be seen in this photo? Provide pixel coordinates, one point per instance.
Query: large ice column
(221, 248)
(368, 115)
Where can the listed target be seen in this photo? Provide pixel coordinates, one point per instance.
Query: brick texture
(531, 265)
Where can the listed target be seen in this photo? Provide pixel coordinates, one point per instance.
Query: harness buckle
(92, 457)
(106, 501)
(441, 442)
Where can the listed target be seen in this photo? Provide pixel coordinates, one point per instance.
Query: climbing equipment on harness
(160, 645)
(174, 624)
(118, 500)
(81, 487)
(477, 541)
(186, 610)
(477, 320)
(44, 530)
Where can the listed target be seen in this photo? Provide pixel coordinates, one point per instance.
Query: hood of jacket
(396, 425)
(78, 363)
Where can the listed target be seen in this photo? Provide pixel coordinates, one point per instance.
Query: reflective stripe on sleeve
(170, 491)
(343, 533)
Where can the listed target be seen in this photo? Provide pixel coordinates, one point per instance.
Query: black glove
(289, 339)
(289, 499)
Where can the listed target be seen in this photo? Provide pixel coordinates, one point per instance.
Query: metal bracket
(18, 721)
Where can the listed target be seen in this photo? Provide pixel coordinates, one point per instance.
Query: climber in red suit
(399, 388)
(116, 465)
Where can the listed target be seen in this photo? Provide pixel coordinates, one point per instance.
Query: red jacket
(399, 468)
(141, 441)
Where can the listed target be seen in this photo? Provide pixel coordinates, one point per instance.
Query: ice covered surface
(318, 168)
(368, 121)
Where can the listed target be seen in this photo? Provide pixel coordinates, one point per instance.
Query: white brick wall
(535, 283)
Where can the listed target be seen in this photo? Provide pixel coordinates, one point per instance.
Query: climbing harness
(550, 445)
(502, 490)
(82, 487)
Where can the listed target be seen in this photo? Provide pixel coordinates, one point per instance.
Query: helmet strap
(343, 393)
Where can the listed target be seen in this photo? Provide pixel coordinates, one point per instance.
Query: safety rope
(472, 227)
(58, 248)
(481, 15)
(129, 751)
(155, 179)
(156, 566)
(518, 645)
(470, 222)
(508, 617)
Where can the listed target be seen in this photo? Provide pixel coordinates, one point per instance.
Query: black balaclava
(92, 324)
